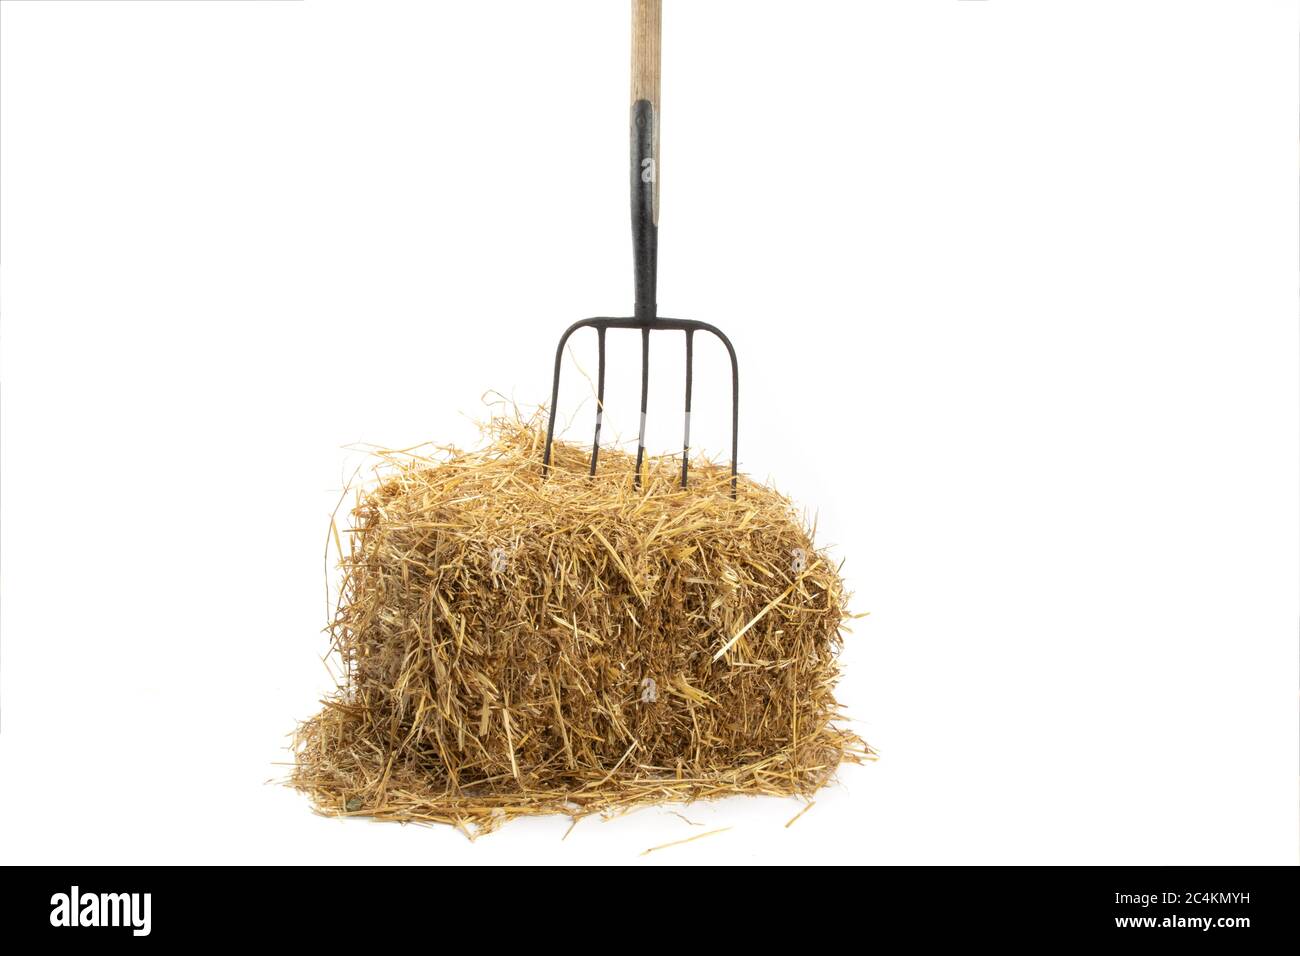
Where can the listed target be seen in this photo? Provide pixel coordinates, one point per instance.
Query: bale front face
(516, 645)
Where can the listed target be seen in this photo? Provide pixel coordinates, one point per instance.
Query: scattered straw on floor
(807, 806)
(516, 646)
(698, 836)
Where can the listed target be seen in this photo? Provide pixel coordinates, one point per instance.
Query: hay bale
(513, 645)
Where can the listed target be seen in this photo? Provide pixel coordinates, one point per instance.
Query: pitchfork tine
(600, 398)
(686, 430)
(555, 395)
(645, 393)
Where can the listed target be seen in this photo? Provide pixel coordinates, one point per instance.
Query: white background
(1014, 288)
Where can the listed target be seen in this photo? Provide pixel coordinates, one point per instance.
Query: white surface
(1014, 288)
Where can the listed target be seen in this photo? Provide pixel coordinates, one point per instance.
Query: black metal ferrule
(645, 229)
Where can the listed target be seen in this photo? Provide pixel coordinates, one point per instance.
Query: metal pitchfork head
(645, 252)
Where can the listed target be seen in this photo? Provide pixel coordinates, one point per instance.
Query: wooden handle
(646, 20)
(645, 153)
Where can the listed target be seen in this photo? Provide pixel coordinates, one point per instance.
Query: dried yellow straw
(516, 646)
(807, 806)
(698, 836)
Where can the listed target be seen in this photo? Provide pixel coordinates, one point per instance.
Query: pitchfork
(646, 19)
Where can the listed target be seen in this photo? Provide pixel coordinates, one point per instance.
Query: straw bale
(514, 645)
